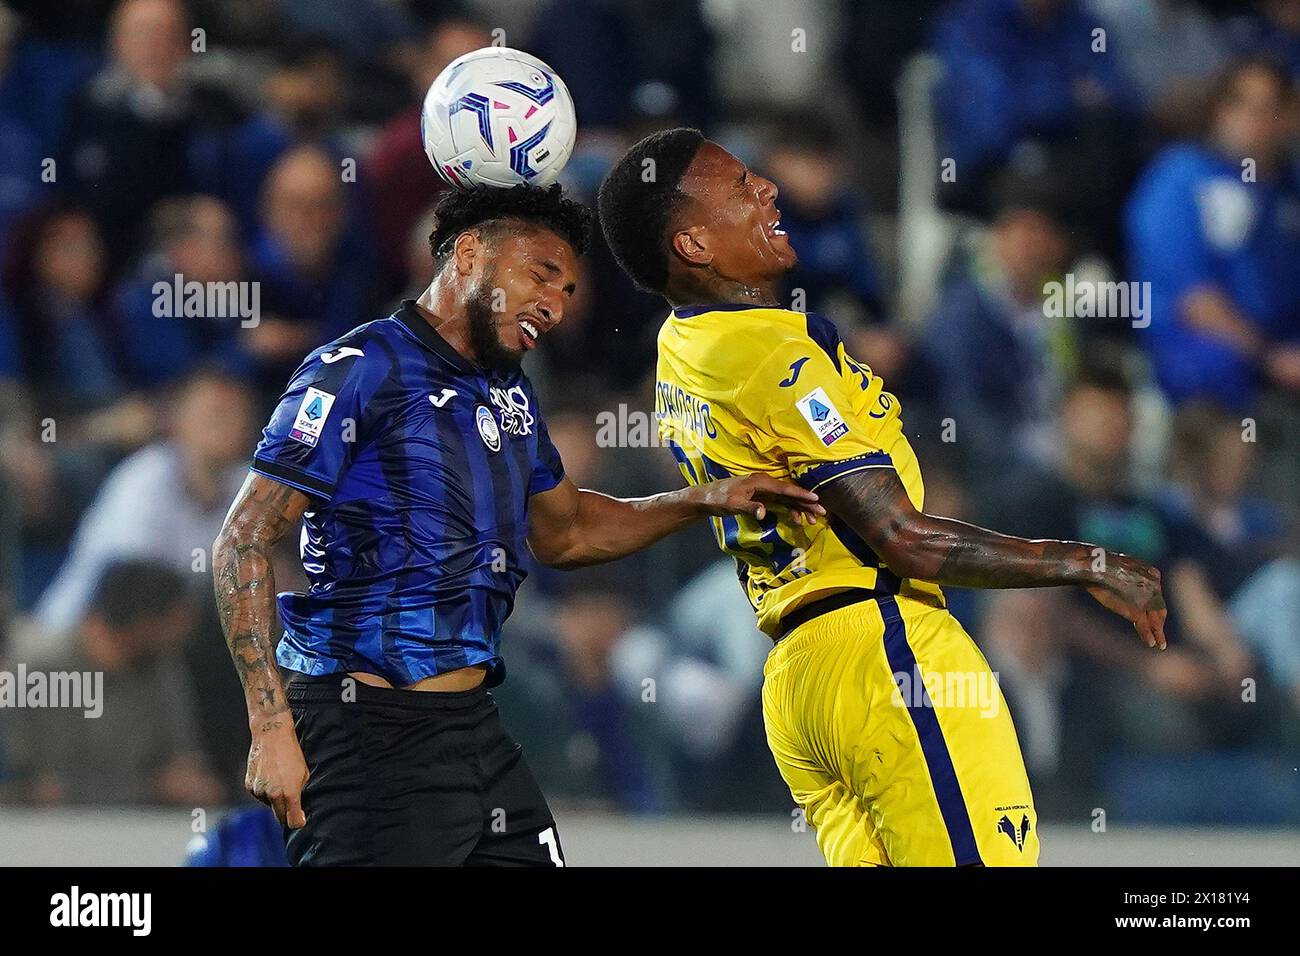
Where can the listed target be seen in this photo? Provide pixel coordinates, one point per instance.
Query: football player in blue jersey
(414, 456)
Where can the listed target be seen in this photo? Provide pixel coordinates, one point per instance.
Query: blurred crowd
(277, 142)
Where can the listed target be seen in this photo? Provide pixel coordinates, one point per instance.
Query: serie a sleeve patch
(819, 411)
(310, 420)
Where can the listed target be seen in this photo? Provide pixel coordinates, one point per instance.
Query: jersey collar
(410, 317)
(689, 311)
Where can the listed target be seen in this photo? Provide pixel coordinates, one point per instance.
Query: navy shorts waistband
(833, 602)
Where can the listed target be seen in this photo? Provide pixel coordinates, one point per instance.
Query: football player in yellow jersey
(881, 712)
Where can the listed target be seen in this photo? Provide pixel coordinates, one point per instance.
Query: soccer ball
(498, 117)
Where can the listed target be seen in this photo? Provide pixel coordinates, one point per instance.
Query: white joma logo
(133, 910)
(329, 358)
(441, 400)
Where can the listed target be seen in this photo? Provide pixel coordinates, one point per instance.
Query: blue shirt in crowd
(1193, 221)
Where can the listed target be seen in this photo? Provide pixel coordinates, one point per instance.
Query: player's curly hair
(488, 207)
(637, 200)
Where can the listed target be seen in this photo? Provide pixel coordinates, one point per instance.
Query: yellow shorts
(894, 738)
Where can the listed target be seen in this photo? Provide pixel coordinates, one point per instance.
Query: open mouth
(774, 229)
(530, 333)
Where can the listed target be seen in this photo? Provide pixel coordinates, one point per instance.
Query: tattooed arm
(912, 544)
(264, 510)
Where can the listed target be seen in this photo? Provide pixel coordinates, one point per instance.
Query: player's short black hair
(637, 200)
(548, 207)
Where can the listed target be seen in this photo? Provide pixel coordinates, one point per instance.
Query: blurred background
(938, 164)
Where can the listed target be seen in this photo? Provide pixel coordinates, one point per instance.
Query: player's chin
(512, 350)
(782, 252)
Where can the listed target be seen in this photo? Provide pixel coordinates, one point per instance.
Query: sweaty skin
(526, 274)
(724, 246)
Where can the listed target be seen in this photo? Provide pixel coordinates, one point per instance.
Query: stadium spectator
(1238, 542)
(588, 738)
(623, 60)
(1272, 28)
(825, 218)
(165, 502)
(314, 273)
(142, 746)
(1080, 683)
(19, 188)
(196, 239)
(1214, 226)
(1023, 86)
(1000, 362)
(706, 655)
(1170, 51)
(38, 80)
(301, 99)
(403, 184)
(54, 278)
(130, 129)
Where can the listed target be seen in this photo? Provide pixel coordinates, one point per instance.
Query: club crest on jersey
(487, 428)
(1015, 833)
(310, 420)
(516, 417)
(818, 410)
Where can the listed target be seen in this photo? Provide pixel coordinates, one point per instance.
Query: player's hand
(754, 494)
(277, 769)
(1131, 588)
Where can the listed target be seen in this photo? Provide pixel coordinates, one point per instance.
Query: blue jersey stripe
(943, 775)
(409, 504)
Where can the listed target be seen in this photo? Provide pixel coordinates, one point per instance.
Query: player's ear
(465, 253)
(692, 245)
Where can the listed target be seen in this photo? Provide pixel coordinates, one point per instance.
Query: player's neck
(439, 308)
(715, 290)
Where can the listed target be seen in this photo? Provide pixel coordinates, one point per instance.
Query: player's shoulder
(367, 352)
(790, 340)
(755, 332)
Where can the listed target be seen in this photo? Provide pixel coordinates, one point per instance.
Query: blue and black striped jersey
(419, 465)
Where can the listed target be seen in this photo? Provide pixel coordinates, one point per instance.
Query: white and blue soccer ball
(498, 117)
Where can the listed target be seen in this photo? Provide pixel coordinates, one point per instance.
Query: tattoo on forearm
(245, 587)
(875, 504)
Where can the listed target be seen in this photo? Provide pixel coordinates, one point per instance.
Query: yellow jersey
(755, 390)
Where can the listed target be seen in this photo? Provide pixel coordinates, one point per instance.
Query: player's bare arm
(261, 515)
(571, 527)
(946, 551)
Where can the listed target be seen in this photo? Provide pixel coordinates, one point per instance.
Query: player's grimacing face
(740, 218)
(525, 286)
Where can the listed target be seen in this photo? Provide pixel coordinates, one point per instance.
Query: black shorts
(413, 778)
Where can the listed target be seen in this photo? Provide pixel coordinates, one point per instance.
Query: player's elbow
(554, 553)
(900, 545)
(224, 547)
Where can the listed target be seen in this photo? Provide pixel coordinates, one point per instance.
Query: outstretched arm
(875, 505)
(263, 512)
(571, 527)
